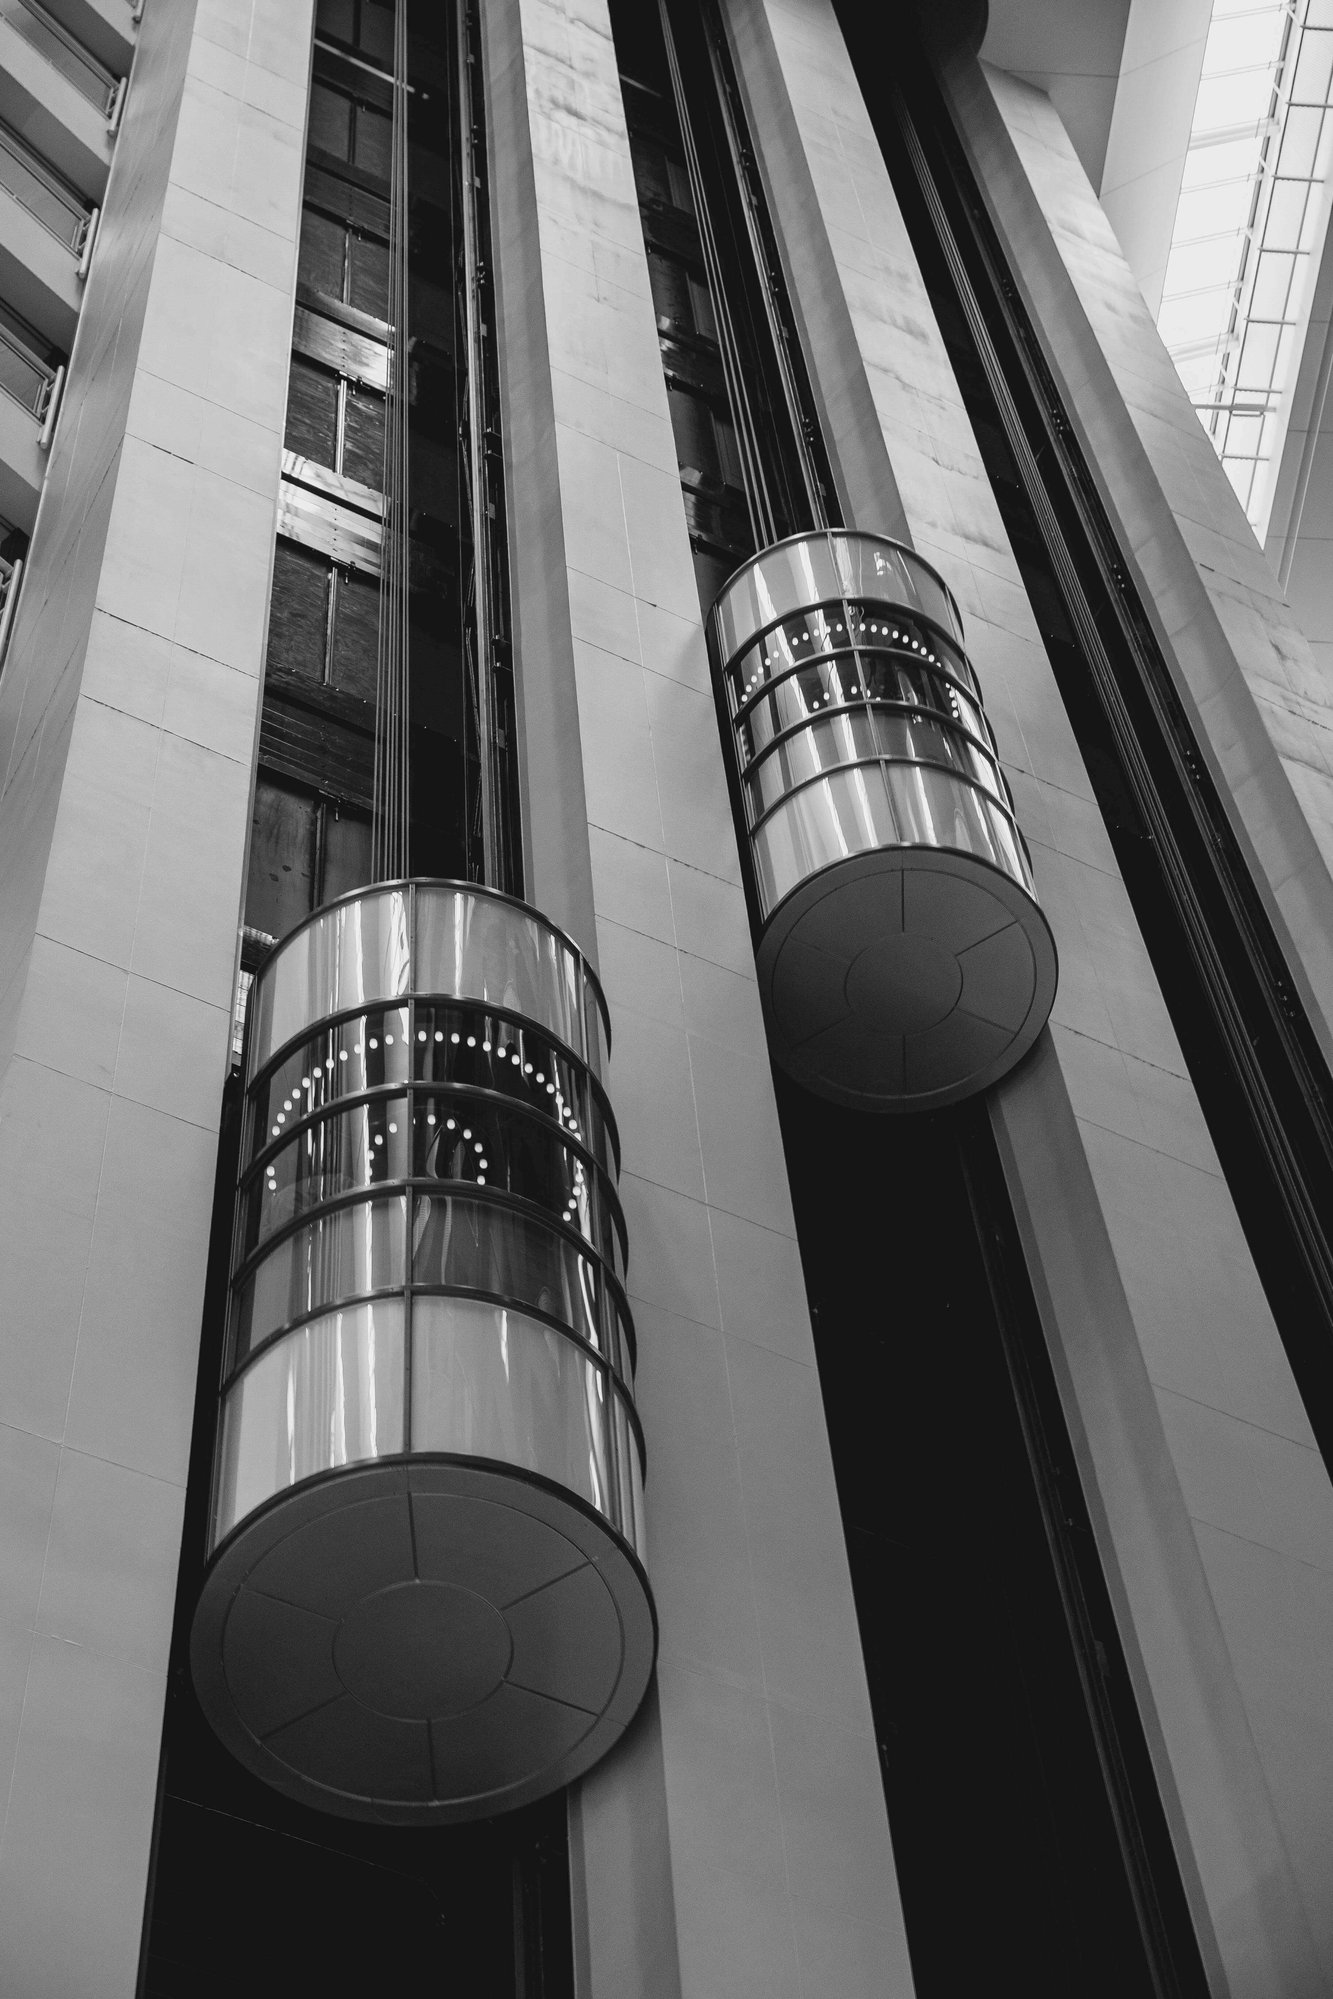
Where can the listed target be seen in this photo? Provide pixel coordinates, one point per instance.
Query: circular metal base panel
(905, 979)
(422, 1643)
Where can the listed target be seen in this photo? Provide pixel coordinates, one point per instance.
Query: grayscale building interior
(666, 998)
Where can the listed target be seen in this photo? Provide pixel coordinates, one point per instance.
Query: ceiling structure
(1126, 77)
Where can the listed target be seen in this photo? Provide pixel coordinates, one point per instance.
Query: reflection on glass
(489, 1382)
(337, 1256)
(880, 805)
(629, 1466)
(857, 719)
(882, 572)
(488, 1144)
(837, 739)
(874, 677)
(824, 684)
(462, 1244)
(446, 1044)
(933, 808)
(469, 946)
(454, 1044)
(821, 568)
(873, 629)
(349, 955)
(427, 1146)
(891, 676)
(356, 1148)
(854, 737)
(329, 1394)
(479, 948)
(446, 1134)
(363, 1053)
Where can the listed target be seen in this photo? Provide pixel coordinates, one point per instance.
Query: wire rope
(392, 801)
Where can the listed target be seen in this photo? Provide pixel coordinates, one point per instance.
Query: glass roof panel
(1253, 208)
(1206, 165)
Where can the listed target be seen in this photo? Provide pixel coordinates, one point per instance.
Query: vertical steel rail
(763, 249)
(763, 526)
(391, 822)
(492, 848)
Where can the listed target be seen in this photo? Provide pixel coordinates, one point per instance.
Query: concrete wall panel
(1172, 1313)
(1246, 1460)
(1263, 709)
(127, 727)
(756, 1783)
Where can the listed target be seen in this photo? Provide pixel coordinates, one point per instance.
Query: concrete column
(737, 1842)
(1263, 716)
(1257, 1490)
(1213, 1509)
(127, 725)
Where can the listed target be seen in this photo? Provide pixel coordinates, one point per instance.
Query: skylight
(1253, 206)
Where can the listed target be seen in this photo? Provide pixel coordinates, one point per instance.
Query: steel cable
(392, 785)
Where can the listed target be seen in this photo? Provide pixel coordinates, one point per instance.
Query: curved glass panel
(934, 808)
(329, 1394)
(489, 1382)
(598, 1041)
(820, 629)
(467, 945)
(478, 948)
(890, 676)
(468, 1245)
(879, 805)
(855, 735)
(455, 1136)
(348, 956)
(488, 1144)
(427, 1144)
(818, 567)
(851, 679)
(361, 1147)
(845, 813)
(825, 683)
(630, 1465)
(833, 628)
(845, 737)
(339, 1255)
(435, 1044)
(885, 572)
(465, 1046)
(359, 1054)
(857, 720)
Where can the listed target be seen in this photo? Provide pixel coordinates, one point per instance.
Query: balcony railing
(11, 575)
(42, 192)
(89, 77)
(28, 380)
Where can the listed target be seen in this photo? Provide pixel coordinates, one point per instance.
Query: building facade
(666, 1010)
